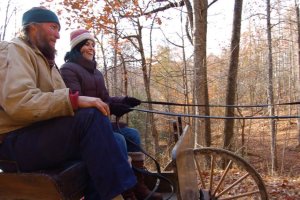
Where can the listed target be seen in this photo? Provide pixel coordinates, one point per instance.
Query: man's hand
(131, 101)
(88, 102)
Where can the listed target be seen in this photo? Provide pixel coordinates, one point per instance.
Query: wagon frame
(197, 173)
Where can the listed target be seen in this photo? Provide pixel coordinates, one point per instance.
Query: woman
(80, 74)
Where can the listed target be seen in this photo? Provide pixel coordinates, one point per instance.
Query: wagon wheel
(223, 175)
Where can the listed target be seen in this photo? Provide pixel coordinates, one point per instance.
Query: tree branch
(170, 5)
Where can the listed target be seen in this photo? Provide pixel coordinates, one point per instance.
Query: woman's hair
(73, 55)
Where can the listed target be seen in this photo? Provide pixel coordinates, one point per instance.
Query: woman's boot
(141, 191)
(119, 197)
(129, 195)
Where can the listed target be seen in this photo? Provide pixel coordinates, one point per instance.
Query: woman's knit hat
(78, 36)
(39, 15)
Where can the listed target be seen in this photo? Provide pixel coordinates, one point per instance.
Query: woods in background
(140, 58)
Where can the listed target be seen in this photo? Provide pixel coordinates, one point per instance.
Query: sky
(219, 26)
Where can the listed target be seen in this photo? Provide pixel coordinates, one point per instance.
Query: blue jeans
(132, 137)
(121, 143)
(87, 136)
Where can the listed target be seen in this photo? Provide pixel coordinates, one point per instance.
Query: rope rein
(217, 117)
(216, 105)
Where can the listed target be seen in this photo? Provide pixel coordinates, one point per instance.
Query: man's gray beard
(48, 52)
(45, 48)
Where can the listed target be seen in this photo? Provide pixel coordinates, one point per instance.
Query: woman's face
(88, 50)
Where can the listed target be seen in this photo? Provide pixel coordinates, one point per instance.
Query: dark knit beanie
(39, 15)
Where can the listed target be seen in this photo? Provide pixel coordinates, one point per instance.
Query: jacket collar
(85, 63)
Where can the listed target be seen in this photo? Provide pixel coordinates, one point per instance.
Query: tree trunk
(270, 91)
(6, 20)
(185, 78)
(200, 69)
(232, 74)
(146, 78)
(298, 85)
(115, 69)
(125, 79)
(104, 62)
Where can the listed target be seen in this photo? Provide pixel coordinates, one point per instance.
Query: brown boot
(129, 195)
(119, 197)
(141, 191)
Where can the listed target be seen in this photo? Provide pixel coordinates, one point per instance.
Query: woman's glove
(131, 101)
(119, 109)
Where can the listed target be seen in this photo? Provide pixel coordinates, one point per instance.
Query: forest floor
(285, 183)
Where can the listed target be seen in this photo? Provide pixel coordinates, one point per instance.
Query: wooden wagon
(203, 173)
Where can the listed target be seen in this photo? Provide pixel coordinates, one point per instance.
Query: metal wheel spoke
(223, 177)
(240, 195)
(235, 183)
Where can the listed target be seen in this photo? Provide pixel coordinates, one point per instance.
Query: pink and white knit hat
(78, 36)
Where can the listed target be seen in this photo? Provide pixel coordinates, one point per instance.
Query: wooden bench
(64, 183)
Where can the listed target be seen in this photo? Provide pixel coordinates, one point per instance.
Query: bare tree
(104, 59)
(270, 91)
(7, 17)
(298, 31)
(137, 42)
(200, 70)
(232, 74)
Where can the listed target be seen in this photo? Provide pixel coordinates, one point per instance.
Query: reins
(214, 105)
(219, 105)
(214, 117)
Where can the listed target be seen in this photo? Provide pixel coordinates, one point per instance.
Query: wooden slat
(185, 166)
(65, 183)
(27, 186)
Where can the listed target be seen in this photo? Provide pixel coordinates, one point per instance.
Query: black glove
(119, 109)
(131, 101)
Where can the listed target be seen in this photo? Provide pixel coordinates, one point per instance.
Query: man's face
(45, 38)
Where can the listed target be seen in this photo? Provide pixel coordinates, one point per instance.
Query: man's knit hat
(78, 36)
(39, 15)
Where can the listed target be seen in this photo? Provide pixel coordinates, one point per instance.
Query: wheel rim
(236, 179)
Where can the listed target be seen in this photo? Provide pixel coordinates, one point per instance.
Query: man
(43, 124)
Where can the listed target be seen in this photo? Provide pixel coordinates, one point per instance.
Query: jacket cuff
(117, 99)
(74, 99)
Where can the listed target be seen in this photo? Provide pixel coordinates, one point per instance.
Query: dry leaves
(284, 188)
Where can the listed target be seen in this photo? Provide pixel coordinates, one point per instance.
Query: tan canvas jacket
(30, 90)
